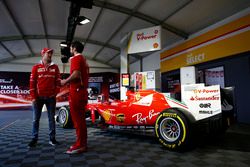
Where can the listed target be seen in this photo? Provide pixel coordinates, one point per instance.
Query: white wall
(135, 67)
(149, 63)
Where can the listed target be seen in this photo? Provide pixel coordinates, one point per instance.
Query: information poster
(144, 80)
(125, 80)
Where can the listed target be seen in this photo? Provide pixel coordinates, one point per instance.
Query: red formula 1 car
(172, 120)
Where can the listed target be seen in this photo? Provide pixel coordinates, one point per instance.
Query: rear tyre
(172, 130)
(64, 118)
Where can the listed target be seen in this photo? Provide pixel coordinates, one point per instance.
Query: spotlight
(65, 51)
(65, 54)
(82, 20)
(63, 44)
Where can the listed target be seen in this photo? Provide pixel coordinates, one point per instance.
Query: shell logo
(155, 45)
(106, 115)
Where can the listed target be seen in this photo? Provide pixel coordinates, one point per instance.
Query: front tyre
(172, 130)
(64, 118)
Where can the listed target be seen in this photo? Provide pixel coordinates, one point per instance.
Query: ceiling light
(63, 44)
(82, 20)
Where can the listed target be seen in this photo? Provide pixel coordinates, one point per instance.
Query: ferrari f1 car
(174, 122)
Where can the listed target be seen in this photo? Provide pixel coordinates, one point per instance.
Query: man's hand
(75, 75)
(63, 82)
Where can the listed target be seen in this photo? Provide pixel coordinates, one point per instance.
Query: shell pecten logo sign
(155, 45)
(144, 40)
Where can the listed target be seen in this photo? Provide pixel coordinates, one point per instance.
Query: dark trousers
(37, 111)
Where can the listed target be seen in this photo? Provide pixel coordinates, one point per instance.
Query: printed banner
(14, 90)
(144, 40)
(202, 101)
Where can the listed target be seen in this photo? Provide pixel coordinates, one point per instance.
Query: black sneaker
(53, 142)
(32, 143)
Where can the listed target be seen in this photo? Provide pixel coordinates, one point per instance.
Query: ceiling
(29, 25)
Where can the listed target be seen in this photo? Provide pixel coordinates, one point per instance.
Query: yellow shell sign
(227, 40)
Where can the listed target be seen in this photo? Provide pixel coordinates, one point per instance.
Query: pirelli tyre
(64, 118)
(172, 130)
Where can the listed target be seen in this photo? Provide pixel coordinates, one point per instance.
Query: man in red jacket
(44, 86)
(78, 96)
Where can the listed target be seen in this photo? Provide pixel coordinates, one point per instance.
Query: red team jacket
(78, 62)
(44, 82)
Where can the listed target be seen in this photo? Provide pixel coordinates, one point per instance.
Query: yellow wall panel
(223, 30)
(230, 46)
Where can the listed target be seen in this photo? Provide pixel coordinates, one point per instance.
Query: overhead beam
(43, 21)
(119, 28)
(74, 12)
(28, 37)
(57, 37)
(17, 26)
(7, 50)
(30, 64)
(6, 60)
(94, 25)
(147, 18)
(14, 38)
(177, 10)
(112, 58)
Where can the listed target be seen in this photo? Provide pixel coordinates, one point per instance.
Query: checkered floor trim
(109, 149)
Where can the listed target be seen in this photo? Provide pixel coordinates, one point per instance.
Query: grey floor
(109, 148)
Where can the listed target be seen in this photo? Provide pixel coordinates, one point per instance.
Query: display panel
(215, 76)
(125, 80)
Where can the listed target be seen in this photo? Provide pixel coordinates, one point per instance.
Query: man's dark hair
(78, 45)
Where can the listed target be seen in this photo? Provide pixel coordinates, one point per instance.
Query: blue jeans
(37, 111)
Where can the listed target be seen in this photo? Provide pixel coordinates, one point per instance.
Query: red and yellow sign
(227, 40)
(125, 79)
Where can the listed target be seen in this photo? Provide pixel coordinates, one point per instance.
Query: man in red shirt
(44, 86)
(78, 96)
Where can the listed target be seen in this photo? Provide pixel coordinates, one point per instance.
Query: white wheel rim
(170, 129)
(62, 116)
